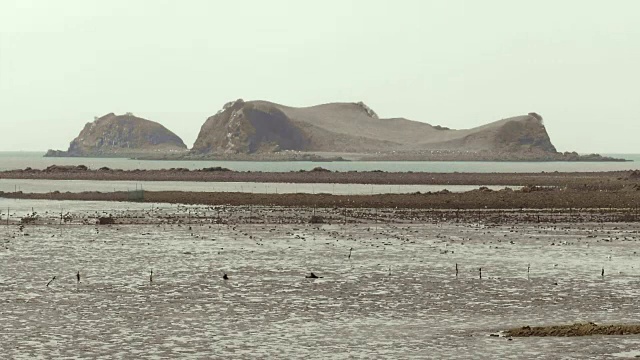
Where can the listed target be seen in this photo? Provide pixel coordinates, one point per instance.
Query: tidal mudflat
(388, 288)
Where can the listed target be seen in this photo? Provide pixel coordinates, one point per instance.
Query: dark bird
(50, 281)
(225, 277)
(151, 277)
(313, 276)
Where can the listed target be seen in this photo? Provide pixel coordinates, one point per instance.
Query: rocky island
(122, 136)
(263, 131)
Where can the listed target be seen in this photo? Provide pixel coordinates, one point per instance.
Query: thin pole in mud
(602, 273)
(480, 270)
(50, 281)
(251, 214)
(528, 270)
(456, 269)
(151, 277)
(8, 211)
(375, 216)
(61, 210)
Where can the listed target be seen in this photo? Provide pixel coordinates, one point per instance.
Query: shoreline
(530, 199)
(423, 155)
(614, 194)
(613, 180)
(217, 208)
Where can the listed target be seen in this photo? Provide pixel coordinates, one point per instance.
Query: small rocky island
(122, 136)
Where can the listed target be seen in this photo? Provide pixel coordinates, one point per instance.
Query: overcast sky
(451, 62)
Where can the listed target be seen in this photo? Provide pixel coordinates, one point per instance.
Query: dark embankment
(583, 181)
(528, 198)
(587, 329)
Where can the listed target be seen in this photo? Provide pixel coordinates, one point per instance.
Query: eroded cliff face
(525, 134)
(258, 126)
(122, 135)
(521, 134)
(242, 127)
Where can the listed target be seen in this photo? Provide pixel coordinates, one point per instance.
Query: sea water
(35, 160)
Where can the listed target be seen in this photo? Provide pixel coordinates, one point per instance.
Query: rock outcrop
(122, 135)
(247, 127)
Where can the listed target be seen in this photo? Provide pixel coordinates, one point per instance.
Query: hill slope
(261, 126)
(122, 135)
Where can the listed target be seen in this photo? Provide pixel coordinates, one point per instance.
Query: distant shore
(425, 155)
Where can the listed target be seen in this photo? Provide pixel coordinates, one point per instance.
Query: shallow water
(397, 296)
(45, 186)
(21, 160)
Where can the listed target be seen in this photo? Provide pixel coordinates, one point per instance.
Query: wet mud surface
(388, 288)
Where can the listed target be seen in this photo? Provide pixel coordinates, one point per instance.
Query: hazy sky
(450, 62)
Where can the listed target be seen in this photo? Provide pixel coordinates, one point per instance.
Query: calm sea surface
(45, 186)
(21, 160)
